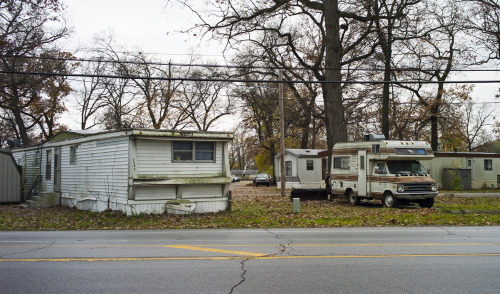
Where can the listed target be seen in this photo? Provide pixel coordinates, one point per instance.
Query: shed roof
(467, 154)
(303, 152)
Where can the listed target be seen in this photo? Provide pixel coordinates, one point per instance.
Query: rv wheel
(426, 203)
(390, 201)
(353, 199)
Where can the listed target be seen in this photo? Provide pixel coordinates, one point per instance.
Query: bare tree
(159, 96)
(436, 55)
(92, 97)
(205, 102)
(475, 120)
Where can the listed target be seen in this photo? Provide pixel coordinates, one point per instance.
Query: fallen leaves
(259, 207)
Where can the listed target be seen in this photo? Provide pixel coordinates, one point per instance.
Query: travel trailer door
(362, 172)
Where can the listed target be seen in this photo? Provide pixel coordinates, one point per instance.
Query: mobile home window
(288, 168)
(48, 165)
(193, 151)
(36, 162)
(488, 164)
(310, 164)
(72, 154)
(341, 162)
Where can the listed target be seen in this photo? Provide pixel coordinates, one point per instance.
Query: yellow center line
(215, 250)
(262, 245)
(242, 257)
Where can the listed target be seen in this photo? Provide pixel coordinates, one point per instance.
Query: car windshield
(262, 176)
(405, 167)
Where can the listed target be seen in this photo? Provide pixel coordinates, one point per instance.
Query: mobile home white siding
(154, 159)
(27, 158)
(99, 174)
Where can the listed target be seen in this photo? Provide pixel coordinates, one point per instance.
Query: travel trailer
(381, 169)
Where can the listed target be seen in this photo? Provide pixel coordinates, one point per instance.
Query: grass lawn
(271, 211)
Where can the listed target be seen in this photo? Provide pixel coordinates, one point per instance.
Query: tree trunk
(332, 95)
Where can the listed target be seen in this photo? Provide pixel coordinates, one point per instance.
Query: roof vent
(374, 137)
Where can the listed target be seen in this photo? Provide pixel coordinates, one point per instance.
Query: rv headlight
(434, 188)
(401, 188)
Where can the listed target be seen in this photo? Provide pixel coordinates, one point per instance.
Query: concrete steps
(46, 199)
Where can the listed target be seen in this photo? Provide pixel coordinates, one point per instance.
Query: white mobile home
(475, 170)
(134, 170)
(303, 167)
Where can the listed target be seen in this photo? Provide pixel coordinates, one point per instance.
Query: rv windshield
(406, 167)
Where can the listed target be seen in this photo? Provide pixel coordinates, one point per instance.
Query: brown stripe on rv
(398, 180)
(345, 177)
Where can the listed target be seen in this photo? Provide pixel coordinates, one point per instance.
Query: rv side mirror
(428, 170)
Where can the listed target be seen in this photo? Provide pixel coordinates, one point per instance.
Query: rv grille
(418, 187)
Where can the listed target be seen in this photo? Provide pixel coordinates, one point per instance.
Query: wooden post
(282, 136)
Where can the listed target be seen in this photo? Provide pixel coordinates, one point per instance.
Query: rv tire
(390, 201)
(354, 200)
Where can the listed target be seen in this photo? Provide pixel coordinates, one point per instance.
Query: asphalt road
(346, 260)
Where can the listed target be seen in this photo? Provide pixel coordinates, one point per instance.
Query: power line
(232, 80)
(229, 66)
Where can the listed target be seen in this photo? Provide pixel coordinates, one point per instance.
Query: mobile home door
(362, 172)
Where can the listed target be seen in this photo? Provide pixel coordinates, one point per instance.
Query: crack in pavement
(450, 233)
(27, 251)
(282, 247)
(242, 276)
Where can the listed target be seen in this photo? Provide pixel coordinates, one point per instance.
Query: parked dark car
(262, 179)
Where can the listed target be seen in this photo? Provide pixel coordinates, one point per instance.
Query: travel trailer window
(410, 151)
(405, 167)
(341, 162)
(488, 164)
(310, 164)
(376, 149)
(194, 151)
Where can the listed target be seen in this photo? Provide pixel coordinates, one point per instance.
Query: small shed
(304, 169)
(473, 170)
(10, 179)
(132, 170)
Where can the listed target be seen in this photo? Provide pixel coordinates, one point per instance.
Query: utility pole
(282, 135)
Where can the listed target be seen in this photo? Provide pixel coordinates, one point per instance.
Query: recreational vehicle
(386, 170)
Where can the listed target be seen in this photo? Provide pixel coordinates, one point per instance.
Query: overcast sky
(150, 25)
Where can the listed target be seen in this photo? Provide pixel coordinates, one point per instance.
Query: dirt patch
(242, 190)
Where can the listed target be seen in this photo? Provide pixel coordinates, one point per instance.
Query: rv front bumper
(416, 195)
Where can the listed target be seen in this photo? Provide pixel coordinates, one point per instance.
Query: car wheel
(354, 200)
(390, 201)
(426, 203)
